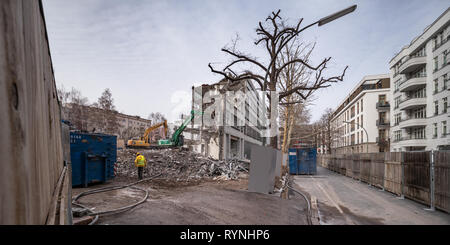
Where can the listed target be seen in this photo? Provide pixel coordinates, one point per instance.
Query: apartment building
(420, 91)
(234, 137)
(89, 118)
(361, 122)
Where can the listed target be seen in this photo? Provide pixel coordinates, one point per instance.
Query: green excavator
(177, 138)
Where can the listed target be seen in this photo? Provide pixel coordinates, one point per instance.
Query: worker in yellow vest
(140, 163)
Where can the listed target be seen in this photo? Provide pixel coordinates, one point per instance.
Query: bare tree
(274, 37)
(108, 113)
(74, 107)
(292, 106)
(156, 117)
(324, 127)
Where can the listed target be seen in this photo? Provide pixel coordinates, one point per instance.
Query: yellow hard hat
(138, 153)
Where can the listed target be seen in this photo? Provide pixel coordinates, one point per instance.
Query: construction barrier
(419, 176)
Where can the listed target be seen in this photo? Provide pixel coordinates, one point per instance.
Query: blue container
(93, 157)
(303, 161)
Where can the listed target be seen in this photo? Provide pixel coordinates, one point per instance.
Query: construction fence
(420, 176)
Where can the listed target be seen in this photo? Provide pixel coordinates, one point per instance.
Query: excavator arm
(176, 136)
(150, 129)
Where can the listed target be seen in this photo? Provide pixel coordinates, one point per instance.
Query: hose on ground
(308, 216)
(111, 188)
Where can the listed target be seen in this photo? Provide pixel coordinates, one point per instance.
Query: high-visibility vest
(140, 161)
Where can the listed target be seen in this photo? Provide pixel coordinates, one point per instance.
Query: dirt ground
(195, 203)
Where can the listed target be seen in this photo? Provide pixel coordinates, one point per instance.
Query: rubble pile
(179, 165)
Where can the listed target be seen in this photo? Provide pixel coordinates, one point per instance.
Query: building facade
(420, 91)
(361, 122)
(93, 119)
(240, 127)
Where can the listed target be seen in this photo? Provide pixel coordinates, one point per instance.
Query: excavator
(144, 141)
(177, 138)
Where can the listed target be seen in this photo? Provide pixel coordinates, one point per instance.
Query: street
(342, 200)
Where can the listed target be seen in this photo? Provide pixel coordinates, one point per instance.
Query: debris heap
(179, 165)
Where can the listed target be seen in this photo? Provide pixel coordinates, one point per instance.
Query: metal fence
(420, 176)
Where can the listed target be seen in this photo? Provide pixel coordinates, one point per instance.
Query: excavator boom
(144, 141)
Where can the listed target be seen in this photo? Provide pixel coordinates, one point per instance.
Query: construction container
(93, 157)
(303, 161)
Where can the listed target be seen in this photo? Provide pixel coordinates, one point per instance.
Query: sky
(150, 53)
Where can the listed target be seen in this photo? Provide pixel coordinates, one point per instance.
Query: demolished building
(231, 123)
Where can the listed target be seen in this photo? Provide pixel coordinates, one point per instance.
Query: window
(396, 84)
(436, 107)
(353, 111)
(444, 102)
(418, 133)
(444, 54)
(436, 63)
(362, 121)
(357, 107)
(420, 52)
(419, 113)
(397, 118)
(361, 105)
(382, 98)
(420, 93)
(420, 73)
(398, 135)
(362, 141)
(396, 102)
(382, 116)
(435, 85)
(444, 128)
(357, 138)
(445, 82)
(435, 132)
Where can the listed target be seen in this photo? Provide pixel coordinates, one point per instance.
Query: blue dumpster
(93, 157)
(303, 161)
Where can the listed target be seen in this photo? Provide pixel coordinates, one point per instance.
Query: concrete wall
(30, 123)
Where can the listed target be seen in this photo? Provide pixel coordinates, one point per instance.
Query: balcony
(413, 122)
(411, 103)
(412, 83)
(383, 106)
(382, 141)
(412, 63)
(413, 140)
(383, 123)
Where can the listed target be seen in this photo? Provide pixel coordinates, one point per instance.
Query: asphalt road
(342, 200)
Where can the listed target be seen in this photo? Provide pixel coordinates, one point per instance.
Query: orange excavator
(144, 141)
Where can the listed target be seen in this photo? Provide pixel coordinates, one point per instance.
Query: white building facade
(420, 91)
(361, 122)
(240, 127)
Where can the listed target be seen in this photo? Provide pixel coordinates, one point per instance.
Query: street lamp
(367, 135)
(329, 18)
(336, 15)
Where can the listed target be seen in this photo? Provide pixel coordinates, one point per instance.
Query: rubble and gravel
(176, 164)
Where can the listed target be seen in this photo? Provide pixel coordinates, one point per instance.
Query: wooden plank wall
(392, 172)
(417, 176)
(384, 170)
(30, 125)
(442, 180)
